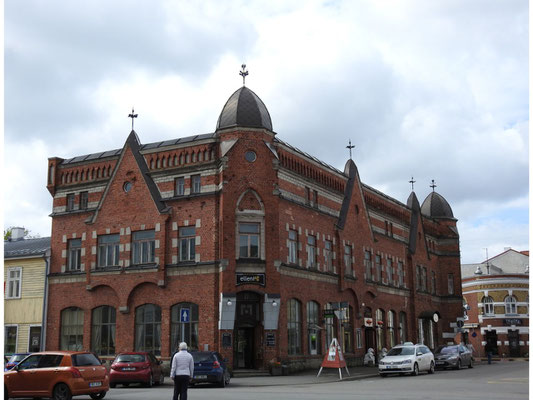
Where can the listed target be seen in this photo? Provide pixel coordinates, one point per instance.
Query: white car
(407, 358)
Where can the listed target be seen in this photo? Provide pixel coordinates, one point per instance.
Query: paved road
(502, 381)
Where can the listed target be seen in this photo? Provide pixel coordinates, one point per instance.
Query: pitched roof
(26, 247)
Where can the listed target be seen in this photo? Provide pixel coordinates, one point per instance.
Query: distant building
(496, 301)
(238, 242)
(26, 264)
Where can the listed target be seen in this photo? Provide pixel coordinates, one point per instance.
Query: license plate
(95, 384)
(200, 377)
(389, 366)
(440, 362)
(128, 369)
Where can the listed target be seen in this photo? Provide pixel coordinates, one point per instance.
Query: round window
(127, 186)
(250, 156)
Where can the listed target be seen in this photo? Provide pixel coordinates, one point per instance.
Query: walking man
(182, 372)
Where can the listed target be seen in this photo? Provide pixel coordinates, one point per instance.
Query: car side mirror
(419, 353)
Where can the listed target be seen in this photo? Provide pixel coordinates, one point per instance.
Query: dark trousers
(181, 383)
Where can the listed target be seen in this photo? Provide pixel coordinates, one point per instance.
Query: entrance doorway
(492, 342)
(369, 339)
(247, 343)
(514, 345)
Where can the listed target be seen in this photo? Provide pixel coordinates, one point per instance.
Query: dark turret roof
(244, 108)
(436, 206)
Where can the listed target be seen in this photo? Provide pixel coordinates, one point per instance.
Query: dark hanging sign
(271, 339)
(512, 321)
(250, 279)
(226, 340)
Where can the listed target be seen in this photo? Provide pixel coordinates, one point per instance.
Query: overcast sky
(429, 89)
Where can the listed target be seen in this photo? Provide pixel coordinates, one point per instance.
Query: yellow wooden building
(25, 288)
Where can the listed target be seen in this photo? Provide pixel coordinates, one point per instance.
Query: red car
(136, 368)
(57, 374)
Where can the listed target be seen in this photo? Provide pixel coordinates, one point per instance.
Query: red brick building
(238, 242)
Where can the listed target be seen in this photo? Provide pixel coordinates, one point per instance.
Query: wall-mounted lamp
(274, 304)
(229, 303)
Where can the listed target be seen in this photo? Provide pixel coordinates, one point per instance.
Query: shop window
(293, 247)
(380, 337)
(488, 306)
(313, 328)
(179, 188)
(403, 327)
(329, 325)
(72, 329)
(294, 326)
(148, 328)
(10, 339)
(187, 243)
(143, 247)
(359, 338)
(510, 305)
(391, 317)
(249, 234)
(184, 325)
(103, 331)
(347, 329)
(108, 250)
(311, 251)
(14, 283)
(74, 255)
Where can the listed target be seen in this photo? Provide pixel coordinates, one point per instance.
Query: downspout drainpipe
(45, 300)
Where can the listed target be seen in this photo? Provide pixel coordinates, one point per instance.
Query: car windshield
(80, 360)
(130, 358)
(447, 350)
(401, 351)
(17, 357)
(202, 357)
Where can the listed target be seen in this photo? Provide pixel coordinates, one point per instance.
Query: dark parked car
(138, 367)
(453, 356)
(14, 359)
(210, 367)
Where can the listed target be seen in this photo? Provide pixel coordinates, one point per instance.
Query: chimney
(17, 233)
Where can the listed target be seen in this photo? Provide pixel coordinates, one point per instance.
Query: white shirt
(182, 364)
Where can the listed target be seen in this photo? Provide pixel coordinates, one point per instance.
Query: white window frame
(311, 252)
(293, 247)
(488, 305)
(348, 260)
(328, 255)
(359, 338)
(510, 305)
(187, 244)
(9, 280)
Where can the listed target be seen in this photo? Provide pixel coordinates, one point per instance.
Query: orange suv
(57, 374)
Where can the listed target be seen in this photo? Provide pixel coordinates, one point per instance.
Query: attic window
(127, 186)
(250, 156)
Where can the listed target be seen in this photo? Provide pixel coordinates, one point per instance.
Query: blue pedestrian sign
(185, 315)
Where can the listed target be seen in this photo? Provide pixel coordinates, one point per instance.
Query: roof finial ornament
(132, 115)
(433, 184)
(243, 73)
(412, 182)
(350, 147)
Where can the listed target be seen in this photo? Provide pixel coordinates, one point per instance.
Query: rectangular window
(424, 279)
(328, 255)
(379, 272)
(315, 199)
(249, 234)
(293, 247)
(311, 251)
(433, 282)
(368, 266)
(10, 339)
(307, 196)
(400, 274)
(108, 250)
(179, 186)
(389, 271)
(450, 284)
(196, 184)
(84, 200)
(187, 240)
(348, 260)
(34, 343)
(70, 201)
(74, 255)
(143, 247)
(359, 338)
(14, 283)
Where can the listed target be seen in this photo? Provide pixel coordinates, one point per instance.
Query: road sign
(185, 315)
(460, 324)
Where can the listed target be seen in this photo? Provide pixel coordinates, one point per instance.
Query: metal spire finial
(412, 182)
(350, 147)
(433, 184)
(132, 116)
(243, 73)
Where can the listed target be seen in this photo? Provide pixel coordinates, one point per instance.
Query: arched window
(184, 325)
(148, 328)
(313, 327)
(103, 330)
(403, 327)
(510, 305)
(72, 329)
(294, 326)
(380, 342)
(390, 328)
(488, 305)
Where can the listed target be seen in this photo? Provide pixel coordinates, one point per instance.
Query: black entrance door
(492, 342)
(514, 345)
(244, 348)
(369, 339)
(247, 329)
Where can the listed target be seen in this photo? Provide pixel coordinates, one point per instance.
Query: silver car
(407, 358)
(454, 356)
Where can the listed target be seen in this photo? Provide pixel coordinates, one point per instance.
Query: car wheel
(161, 378)
(97, 396)
(222, 382)
(431, 368)
(150, 382)
(471, 364)
(61, 392)
(112, 385)
(125, 384)
(458, 366)
(415, 369)
(383, 375)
